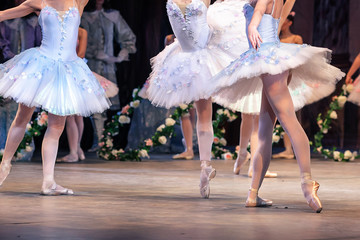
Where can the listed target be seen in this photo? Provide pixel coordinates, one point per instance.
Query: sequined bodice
(59, 33)
(191, 29)
(268, 27)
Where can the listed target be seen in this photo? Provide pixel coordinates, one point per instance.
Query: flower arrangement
(324, 122)
(33, 128)
(218, 150)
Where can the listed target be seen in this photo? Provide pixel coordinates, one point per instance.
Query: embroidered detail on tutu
(267, 53)
(191, 11)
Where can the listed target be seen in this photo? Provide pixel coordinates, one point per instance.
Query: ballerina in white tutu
(52, 77)
(182, 71)
(269, 61)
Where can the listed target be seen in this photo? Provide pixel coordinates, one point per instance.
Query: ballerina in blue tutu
(52, 77)
(269, 62)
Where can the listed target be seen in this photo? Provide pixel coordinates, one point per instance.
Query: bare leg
(73, 139)
(49, 151)
(187, 130)
(205, 138)
(80, 126)
(246, 130)
(277, 101)
(253, 147)
(14, 138)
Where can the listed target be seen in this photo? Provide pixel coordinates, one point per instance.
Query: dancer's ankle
(205, 163)
(305, 177)
(253, 193)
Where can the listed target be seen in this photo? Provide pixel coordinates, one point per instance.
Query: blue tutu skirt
(59, 87)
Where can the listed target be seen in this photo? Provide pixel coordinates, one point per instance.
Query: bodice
(60, 33)
(268, 27)
(191, 29)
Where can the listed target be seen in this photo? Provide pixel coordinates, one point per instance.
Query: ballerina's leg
(14, 138)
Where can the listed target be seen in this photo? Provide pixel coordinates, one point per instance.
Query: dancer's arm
(82, 43)
(22, 10)
(259, 11)
(288, 5)
(81, 5)
(355, 66)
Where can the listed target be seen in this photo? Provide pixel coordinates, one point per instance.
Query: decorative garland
(162, 134)
(33, 128)
(337, 103)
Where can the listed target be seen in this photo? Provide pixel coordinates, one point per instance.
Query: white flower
(232, 118)
(227, 113)
(160, 128)
(19, 156)
(354, 155)
(135, 104)
(326, 150)
(349, 88)
(183, 106)
(162, 140)
(169, 122)
(124, 119)
(135, 91)
(220, 111)
(2, 151)
(320, 122)
(348, 154)
(28, 127)
(227, 156)
(28, 149)
(109, 143)
(223, 141)
(106, 156)
(143, 154)
(341, 101)
(275, 138)
(282, 133)
(333, 115)
(325, 131)
(319, 149)
(222, 130)
(277, 126)
(337, 155)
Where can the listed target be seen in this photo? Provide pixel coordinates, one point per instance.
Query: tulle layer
(354, 96)
(313, 77)
(183, 77)
(61, 88)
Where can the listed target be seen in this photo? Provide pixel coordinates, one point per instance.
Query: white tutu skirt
(183, 77)
(313, 78)
(59, 87)
(354, 96)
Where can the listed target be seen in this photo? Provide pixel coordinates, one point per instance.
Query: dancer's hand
(348, 80)
(123, 56)
(254, 37)
(101, 55)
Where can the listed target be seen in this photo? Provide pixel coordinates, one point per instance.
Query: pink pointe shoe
(240, 161)
(257, 202)
(4, 171)
(207, 173)
(310, 189)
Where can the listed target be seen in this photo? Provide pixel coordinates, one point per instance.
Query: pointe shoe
(207, 173)
(283, 155)
(238, 165)
(183, 155)
(81, 155)
(268, 174)
(56, 190)
(4, 171)
(310, 189)
(258, 202)
(67, 159)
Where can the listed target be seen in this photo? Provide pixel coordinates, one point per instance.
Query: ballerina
(268, 61)
(52, 77)
(354, 96)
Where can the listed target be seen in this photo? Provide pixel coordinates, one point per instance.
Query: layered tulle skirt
(60, 87)
(313, 78)
(182, 77)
